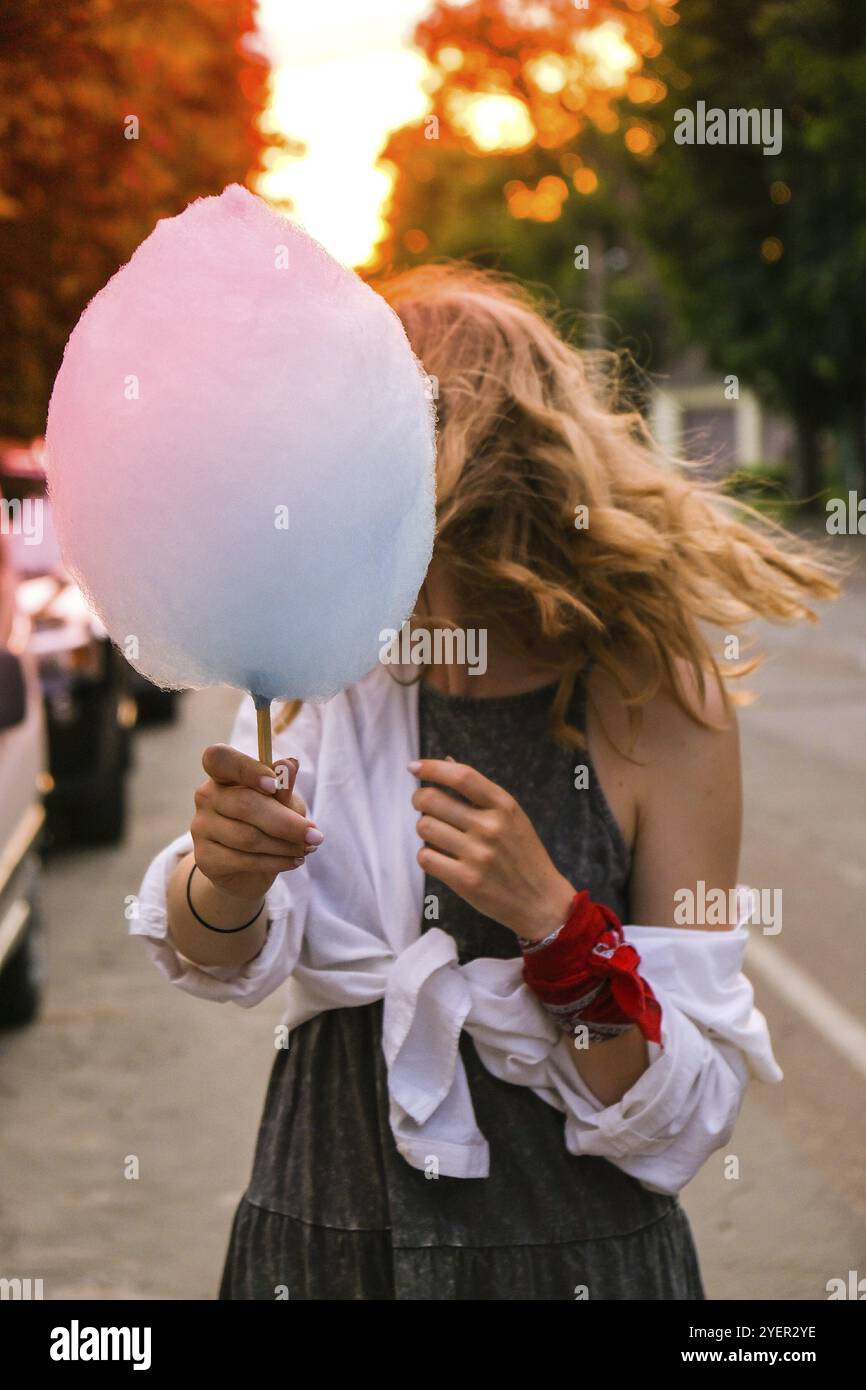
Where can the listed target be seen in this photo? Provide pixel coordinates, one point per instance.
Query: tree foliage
(765, 256)
(531, 201)
(560, 59)
(113, 114)
(759, 259)
(453, 204)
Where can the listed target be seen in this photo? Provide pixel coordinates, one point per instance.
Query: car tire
(103, 820)
(155, 706)
(21, 981)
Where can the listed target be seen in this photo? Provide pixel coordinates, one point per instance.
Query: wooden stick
(263, 725)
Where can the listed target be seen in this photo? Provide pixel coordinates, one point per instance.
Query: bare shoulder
(666, 725)
(704, 724)
(673, 754)
(680, 788)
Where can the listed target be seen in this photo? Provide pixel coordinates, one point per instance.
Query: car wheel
(102, 820)
(156, 706)
(21, 981)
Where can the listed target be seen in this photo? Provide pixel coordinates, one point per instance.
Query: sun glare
(342, 111)
(611, 57)
(494, 121)
(345, 76)
(340, 84)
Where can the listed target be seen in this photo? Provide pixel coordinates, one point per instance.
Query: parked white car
(23, 756)
(90, 710)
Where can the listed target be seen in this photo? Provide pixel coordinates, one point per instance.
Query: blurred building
(701, 414)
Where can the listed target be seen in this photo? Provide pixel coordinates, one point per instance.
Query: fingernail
(313, 836)
(414, 766)
(299, 862)
(268, 784)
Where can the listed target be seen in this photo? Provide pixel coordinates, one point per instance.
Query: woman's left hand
(487, 851)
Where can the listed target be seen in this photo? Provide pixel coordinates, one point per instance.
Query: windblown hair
(530, 430)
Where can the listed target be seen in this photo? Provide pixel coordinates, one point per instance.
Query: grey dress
(332, 1211)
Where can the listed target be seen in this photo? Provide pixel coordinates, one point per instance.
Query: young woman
(508, 1050)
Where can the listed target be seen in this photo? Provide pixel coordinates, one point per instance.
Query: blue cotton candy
(241, 457)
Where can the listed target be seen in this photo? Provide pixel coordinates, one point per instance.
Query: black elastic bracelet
(224, 931)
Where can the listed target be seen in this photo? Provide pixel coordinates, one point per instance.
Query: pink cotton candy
(241, 457)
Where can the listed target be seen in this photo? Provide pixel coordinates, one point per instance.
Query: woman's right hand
(247, 828)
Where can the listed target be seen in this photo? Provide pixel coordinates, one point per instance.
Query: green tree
(113, 114)
(530, 207)
(581, 248)
(765, 256)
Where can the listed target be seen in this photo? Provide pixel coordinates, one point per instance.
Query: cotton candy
(240, 450)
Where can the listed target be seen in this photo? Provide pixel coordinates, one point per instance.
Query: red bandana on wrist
(590, 971)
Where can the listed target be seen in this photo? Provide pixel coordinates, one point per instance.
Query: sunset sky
(344, 77)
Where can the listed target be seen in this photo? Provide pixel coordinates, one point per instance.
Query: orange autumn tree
(534, 107)
(566, 63)
(112, 115)
(518, 77)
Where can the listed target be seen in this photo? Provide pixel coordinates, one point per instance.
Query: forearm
(220, 909)
(586, 975)
(611, 1068)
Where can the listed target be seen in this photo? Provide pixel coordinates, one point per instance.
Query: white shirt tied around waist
(345, 930)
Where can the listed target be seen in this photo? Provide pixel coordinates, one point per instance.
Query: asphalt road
(120, 1064)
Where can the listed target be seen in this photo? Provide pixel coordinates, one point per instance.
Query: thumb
(286, 772)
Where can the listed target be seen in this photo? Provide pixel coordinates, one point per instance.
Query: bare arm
(687, 813)
(220, 909)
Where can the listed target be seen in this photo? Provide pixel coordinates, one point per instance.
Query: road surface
(122, 1066)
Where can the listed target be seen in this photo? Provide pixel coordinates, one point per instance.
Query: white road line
(836, 1024)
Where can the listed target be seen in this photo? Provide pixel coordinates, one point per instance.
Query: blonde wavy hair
(532, 429)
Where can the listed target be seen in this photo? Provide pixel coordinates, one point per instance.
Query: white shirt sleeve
(287, 901)
(684, 1106)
